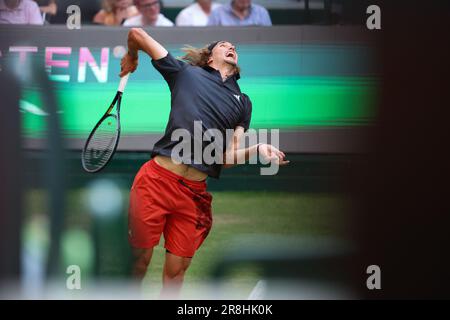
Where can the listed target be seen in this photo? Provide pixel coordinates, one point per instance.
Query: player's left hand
(272, 154)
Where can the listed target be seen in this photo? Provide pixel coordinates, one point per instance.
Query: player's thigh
(142, 254)
(146, 214)
(187, 228)
(174, 265)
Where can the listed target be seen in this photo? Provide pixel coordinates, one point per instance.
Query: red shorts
(164, 202)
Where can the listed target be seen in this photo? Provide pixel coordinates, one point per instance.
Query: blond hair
(108, 5)
(199, 56)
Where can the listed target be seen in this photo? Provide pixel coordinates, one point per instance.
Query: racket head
(101, 144)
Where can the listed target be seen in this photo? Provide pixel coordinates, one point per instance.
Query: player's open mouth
(230, 54)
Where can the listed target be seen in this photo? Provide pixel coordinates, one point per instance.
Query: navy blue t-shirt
(199, 94)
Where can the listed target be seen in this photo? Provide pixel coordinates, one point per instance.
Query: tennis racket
(104, 138)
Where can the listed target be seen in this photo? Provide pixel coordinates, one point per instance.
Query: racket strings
(101, 145)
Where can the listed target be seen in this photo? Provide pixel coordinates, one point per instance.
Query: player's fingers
(281, 162)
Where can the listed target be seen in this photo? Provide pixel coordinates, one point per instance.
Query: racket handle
(123, 82)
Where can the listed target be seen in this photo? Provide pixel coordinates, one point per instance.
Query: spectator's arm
(99, 17)
(51, 9)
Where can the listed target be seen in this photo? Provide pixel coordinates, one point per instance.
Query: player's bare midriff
(181, 169)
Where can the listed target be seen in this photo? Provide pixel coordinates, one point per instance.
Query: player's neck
(226, 70)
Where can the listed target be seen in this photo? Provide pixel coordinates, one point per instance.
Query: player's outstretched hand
(128, 64)
(270, 153)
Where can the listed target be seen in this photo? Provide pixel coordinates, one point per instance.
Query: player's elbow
(135, 33)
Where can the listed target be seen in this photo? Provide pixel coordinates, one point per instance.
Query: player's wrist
(133, 54)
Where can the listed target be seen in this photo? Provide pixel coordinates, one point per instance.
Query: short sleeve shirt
(201, 102)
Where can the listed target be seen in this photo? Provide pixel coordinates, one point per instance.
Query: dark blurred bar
(10, 195)
(403, 220)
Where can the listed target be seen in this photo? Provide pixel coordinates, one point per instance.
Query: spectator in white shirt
(150, 15)
(196, 14)
(20, 12)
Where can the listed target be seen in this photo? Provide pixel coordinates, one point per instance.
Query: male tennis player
(170, 197)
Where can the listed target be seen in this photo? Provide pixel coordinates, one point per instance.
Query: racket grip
(123, 82)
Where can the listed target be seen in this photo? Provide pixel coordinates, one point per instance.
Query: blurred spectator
(48, 8)
(20, 12)
(115, 12)
(150, 15)
(196, 14)
(240, 13)
(89, 8)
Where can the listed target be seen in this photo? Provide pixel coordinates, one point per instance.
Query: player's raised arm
(138, 39)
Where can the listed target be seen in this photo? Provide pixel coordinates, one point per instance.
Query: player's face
(225, 51)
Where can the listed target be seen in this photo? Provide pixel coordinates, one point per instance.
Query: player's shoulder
(246, 99)
(175, 61)
(245, 95)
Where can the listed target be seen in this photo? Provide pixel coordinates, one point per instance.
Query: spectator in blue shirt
(240, 13)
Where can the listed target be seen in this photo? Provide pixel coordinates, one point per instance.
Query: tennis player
(169, 197)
